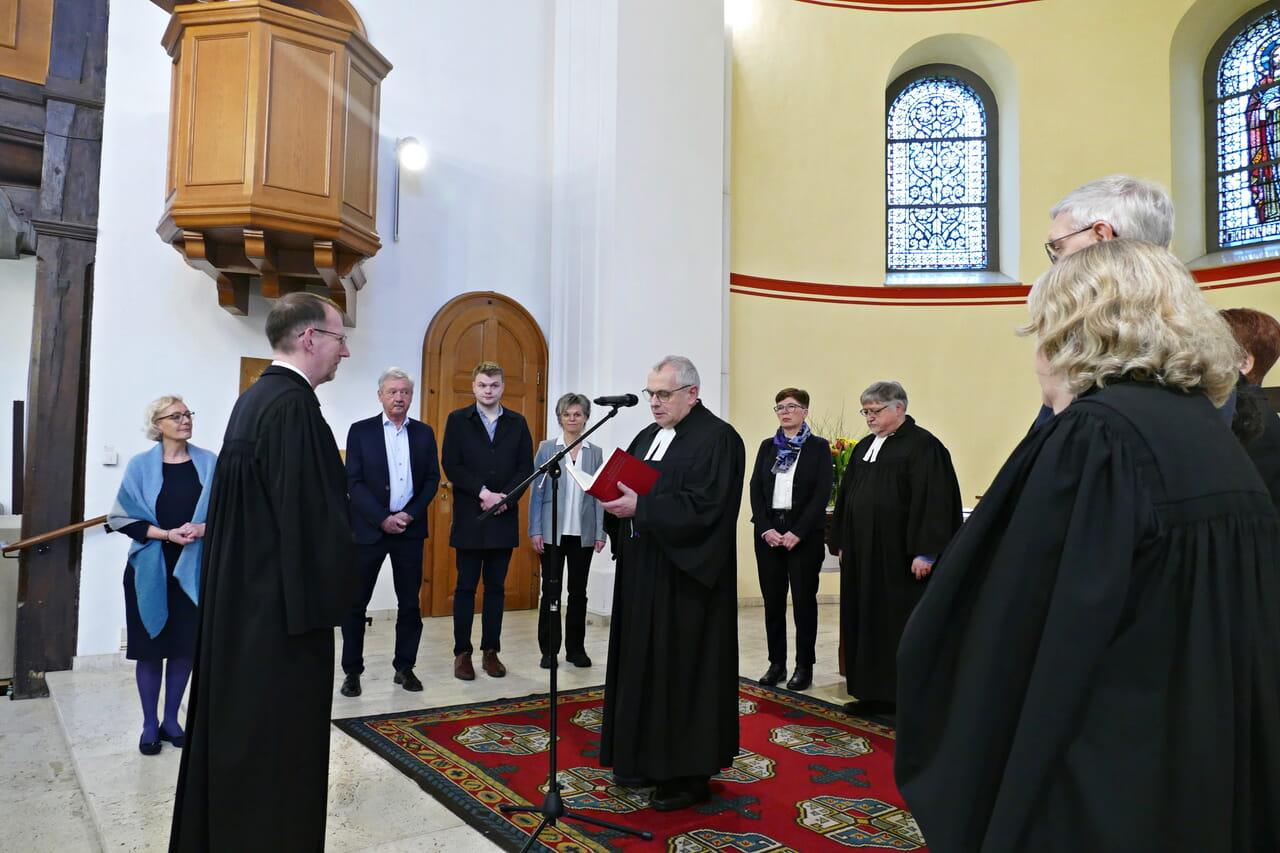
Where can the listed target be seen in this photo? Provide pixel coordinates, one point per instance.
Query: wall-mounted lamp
(411, 155)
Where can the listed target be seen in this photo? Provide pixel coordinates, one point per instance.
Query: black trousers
(797, 569)
(406, 575)
(553, 558)
(473, 564)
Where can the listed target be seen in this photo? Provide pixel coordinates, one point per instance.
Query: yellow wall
(1085, 88)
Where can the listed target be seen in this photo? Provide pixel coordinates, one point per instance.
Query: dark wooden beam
(65, 222)
(19, 465)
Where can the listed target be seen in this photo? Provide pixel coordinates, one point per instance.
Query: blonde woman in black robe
(1095, 664)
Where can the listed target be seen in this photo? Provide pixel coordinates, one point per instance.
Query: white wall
(478, 83)
(17, 302)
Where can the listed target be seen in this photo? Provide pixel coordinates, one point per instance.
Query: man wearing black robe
(671, 688)
(278, 575)
(898, 506)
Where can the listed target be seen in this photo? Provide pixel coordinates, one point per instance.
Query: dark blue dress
(175, 505)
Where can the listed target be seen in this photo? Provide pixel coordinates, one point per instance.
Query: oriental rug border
(832, 776)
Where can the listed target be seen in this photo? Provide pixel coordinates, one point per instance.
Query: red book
(620, 466)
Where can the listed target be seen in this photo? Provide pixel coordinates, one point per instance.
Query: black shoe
(631, 781)
(547, 661)
(679, 794)
(350, 685)
(578, 658)
(149, 747)
(406, 679)
(801, 679)
(179, 740)
(870, 706)
(776, 673)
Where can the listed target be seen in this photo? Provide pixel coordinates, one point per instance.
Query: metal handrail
(51, 535)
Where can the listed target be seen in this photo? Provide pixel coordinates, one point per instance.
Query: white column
(638, 249)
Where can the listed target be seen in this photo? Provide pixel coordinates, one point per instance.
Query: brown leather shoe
(492, 666)
(462, 667)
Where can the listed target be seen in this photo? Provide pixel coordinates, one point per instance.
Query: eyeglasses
(787, 407)
(1052, 248)
(664, 395)
(866, 413)
(177, 417)
(342, 339)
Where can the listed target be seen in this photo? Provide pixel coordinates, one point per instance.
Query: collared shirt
(783, 482)
(298, 370)
(490, 426)
(399, 466)
(571, 515)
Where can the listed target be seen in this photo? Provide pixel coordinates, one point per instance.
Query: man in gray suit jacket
(580, 520)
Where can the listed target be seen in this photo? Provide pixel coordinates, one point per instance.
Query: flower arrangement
(833, 430)
(841, 453)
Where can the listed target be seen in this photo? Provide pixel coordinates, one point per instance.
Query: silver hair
(686, 373)
(154, 408)
(571, 399)
(394, 373)
(885, 393)
(1135, 209)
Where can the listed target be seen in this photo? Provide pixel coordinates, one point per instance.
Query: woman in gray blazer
(581, 530)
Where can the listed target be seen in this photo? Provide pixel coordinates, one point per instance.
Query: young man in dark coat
(487, 451)
(278, 575)
(393, 472)
(671, 688)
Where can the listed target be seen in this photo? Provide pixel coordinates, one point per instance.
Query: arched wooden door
(471, 328)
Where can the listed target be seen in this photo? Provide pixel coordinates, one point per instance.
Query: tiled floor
(75, 780)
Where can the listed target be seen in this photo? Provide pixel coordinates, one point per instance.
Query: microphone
(617, 401)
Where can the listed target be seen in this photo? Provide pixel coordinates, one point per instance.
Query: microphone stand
(552, 808)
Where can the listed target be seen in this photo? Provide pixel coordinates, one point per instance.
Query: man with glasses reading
(671, 688)
(898, 506)
(278, 576)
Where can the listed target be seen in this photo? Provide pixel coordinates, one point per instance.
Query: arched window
(940, 171)
(1242, 91)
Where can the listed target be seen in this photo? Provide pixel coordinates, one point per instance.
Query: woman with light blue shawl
(162, 505)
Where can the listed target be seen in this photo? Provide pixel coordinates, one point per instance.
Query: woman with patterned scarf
(790, 484)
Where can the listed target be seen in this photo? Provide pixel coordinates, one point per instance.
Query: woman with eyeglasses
(162, 505)
(790, 485)
(580, 520)
(1096, 664)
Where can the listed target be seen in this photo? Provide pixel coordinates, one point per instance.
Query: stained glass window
(940, 171)
(1243, 83)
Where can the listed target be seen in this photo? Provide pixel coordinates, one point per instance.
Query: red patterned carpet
(807, 778)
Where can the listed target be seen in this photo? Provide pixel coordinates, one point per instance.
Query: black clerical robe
(1261, 438)
(1095, 664)
(671, 688)
(278, 574)
(904, 505)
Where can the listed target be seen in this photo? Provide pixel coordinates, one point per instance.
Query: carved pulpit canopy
(273, 143)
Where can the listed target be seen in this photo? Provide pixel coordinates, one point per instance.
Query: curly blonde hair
(154, 408)
(1126, 309)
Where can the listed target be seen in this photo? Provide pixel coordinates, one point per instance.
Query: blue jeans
(474, 563)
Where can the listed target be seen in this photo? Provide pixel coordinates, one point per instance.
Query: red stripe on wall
(916, 5)
(1252, 269)
(942, 295)
(1240, 275)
